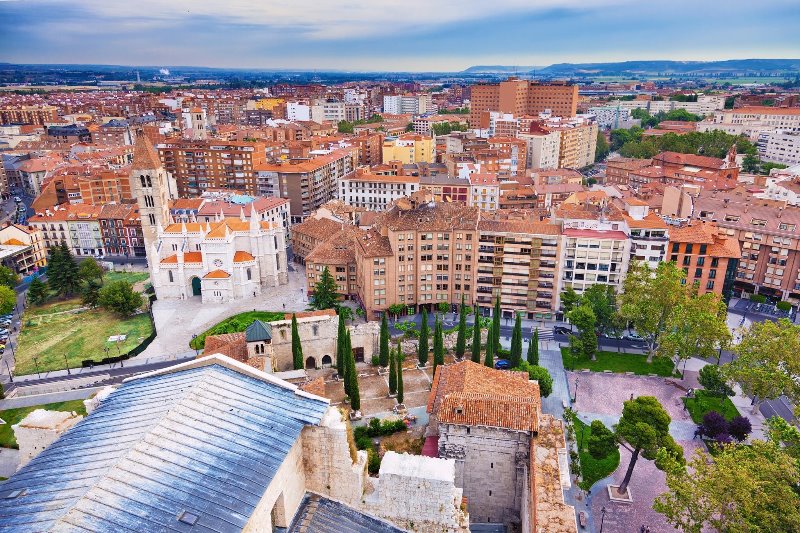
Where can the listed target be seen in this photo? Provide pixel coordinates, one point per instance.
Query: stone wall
(328, 463)
(39, 430)
(490, 465)
(419, 494)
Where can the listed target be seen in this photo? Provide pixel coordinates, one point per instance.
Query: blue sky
(392, 35)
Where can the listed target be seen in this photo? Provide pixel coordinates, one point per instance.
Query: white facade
(610, 117)
(782, 187)
(417, 104)
(706, 104)
(297, 111)
(543, 149)
(752, 121)
(780, 146)
(593, 256)
(375, 192)
(328, 112)
(484, 193)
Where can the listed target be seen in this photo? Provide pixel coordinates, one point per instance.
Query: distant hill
(498, 69)
(653, 67)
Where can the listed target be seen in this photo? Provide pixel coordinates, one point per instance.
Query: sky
(406, 35)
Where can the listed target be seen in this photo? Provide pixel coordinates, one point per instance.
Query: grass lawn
(12, 416)
(620, 363)
(130, 277)
(593, 469)
(235, 324)
(48, 333)
(703, 402)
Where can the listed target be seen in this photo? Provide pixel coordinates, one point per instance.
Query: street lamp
(575, 398)
(196, 350)
(66, 365)
(36, 362)
(10, 375)
(602, 517)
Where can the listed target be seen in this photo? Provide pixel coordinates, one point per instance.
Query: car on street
(561, 330)
(502, 364)
(632, 336)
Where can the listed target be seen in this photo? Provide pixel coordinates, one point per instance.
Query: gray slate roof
(321, 515)
(206, 440)
(258, 331)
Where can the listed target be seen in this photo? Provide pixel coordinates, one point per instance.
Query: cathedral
(219, 261)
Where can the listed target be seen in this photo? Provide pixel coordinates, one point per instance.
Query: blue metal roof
(321, 515)
(205, 440)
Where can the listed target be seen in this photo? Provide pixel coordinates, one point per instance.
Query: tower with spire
(153, 187)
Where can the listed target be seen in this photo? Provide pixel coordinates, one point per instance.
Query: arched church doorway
(326, 361)
(196, 286)
(311, 363)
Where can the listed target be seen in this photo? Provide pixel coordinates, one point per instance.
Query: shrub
(784, 306)
(714, 424)
(373, 461)
(502, 353)
(711, 378)
(602, 441)
(739, 428)
(758, 298)
(375, 361)
(540, 374)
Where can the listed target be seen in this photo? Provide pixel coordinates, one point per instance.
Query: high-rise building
(522, 97)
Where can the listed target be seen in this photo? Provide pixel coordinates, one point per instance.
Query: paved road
(53, 397)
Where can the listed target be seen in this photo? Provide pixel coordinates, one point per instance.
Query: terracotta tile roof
(470, 377)
(596, 234)
(318, 228)
(491, 410)
(241, 257)
(116, 211)
(14, 242)
(186, 203)
(315, 386)
(651, 221)
(373, 244)
(518, 226)
(193, 257)
(676, 158)
(707, 233)
(337, 250)
(433, 216)
(231, 344)
(145, 156)
(169, 260)
(191, 227)
(217, 274)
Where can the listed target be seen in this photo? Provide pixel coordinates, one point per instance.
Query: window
(169, 275)
(249, 274)
(689, 248)
(698, 272)
(703, 248)
(315, 330)
(675, 247)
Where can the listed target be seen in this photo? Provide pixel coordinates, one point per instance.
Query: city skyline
(445, 36)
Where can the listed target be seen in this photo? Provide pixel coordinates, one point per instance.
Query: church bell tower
(152, 186)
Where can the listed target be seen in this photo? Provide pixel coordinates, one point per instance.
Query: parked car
(633, 336)
(561, 330)
(502, 364)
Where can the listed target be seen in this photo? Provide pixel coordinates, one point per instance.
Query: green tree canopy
(602, 441)
(383, 357)
(438, 344)
(461, 338)
(516, 342)
(325, 292)
(62, 271)
(119, 296)
(393, 370)
(37, 291)
(696, 328)
(8, 299)
(400, 385)
(496, 314)
(488, 359)
(90, 269)
(476, 337)
(603, 148)
(533, 349)
(8, 277)
(297, 346)
(422, 347)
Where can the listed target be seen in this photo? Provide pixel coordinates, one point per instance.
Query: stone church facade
(221, 261)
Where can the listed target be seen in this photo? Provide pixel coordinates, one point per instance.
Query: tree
(649, 298)
(767, 359)
(352, 378)
(340, 347)
(383, 356)
(488, 359)
(400, 396)
(743, 489)
(713, 380)
(119, 296)
(713, 424)
(8, 277)
(62, 271)
(584, 319)
(575, 349)
(461, 338)
(348, 355)
(516, 342)
(90, 295)
(393, 371)
(739, 428)
(543, 377)
(496, 325)
(8, 299)
(602, 299)
(37, 291)
(533, 348)
(751, 163)
(325, 292)
(476, 338)
(396, 309)
(603, 148)
(90, 269)
(644, 429)
(344, 126)
(438, 345)
(696, 328)
(297, 347)
(422, 348)
(344, 312)
(602, 441)
(442, 307)
(569, 300)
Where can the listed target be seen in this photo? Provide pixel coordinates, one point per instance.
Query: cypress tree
(461, 339)
(297, 347)
(348, 355)
(340, 353)
(496, 325)
(533, 349)
(422, 350)
(70, 283)
(352, 378)
(392, 372)
(516, 343)
(399, 376)
(488, 359)
(476, 338)
(438, 345)
(384, 343)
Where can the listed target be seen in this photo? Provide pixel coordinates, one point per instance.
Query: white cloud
(331, 19)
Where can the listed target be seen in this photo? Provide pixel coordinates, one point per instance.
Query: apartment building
(115, 132)
(408, 104)
(484, 191)
(751, 121)
(577, 143)
(444, 188)
(768, 238)
(307, 183)
(673, 168)
(779, 146)
(328, 112)
(409, 148)
(22, 248)
(121, 230)
(309, 234)
(29, 114)
(619, 169)
(518, 263)
(708, 256)
(648, 232)
(213, 164)
(543, 147)
(375, 192)
(611, 117)
(102, 186)
(77, 225)
(521, 97)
